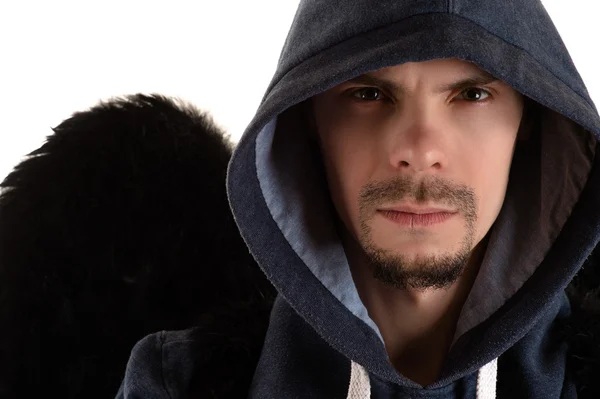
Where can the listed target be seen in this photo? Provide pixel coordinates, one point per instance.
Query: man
(420, 186)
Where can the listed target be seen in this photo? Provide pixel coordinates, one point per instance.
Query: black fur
(117, 227)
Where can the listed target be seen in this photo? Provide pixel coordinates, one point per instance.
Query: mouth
(416, 217)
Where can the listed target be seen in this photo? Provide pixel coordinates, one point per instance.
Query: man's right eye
(369, 94)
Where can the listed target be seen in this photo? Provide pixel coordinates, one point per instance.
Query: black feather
(117, 227)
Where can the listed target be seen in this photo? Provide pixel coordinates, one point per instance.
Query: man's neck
(417, 326)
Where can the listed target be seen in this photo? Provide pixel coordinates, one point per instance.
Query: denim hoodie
(321, 342)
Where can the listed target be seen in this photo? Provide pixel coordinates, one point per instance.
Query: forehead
(437, 76)
(445, 67)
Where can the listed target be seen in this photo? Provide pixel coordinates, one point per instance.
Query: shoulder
(159, 366)
(582, 330)
(217, 358)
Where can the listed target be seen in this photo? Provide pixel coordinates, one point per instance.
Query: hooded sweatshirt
(321, 342)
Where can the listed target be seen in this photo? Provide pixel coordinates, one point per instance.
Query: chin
(418, 246)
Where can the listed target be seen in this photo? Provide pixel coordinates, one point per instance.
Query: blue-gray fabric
(548, 225)
(160, 367)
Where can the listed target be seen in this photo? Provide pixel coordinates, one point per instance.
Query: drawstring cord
(487, 379)
(360, 384)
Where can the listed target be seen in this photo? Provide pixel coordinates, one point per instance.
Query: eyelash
(389, 99)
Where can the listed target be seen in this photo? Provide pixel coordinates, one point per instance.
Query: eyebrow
(478, 78)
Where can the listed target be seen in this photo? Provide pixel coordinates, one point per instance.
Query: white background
(62, 56)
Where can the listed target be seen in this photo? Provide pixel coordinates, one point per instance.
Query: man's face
(417, 158)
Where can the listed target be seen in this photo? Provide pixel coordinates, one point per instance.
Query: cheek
(490, 183)
(489, 168)
(347, 172)
(349, 155)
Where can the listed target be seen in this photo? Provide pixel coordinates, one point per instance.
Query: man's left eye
(369, 94)
(474, 94)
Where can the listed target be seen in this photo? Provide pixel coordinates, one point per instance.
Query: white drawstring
(360, 384)
(486, 380)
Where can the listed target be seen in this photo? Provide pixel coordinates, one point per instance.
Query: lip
(416, 210)
(416, 217)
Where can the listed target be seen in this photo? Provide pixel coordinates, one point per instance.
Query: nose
(418, 141)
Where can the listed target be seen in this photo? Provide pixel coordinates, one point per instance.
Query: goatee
(431, 271)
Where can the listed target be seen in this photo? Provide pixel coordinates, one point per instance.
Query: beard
(423, 272)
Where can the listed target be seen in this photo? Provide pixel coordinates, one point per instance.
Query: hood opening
(548, 172)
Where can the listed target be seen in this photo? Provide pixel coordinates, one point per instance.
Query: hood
(549, 222)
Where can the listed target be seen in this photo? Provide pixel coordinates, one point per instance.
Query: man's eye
(474, 94)
(368, 94)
